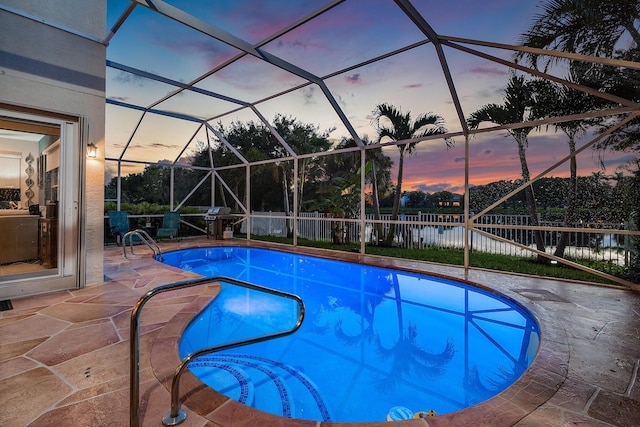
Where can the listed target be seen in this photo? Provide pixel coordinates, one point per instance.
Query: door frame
(67, 275)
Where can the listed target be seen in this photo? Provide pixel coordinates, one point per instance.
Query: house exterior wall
(51, 59)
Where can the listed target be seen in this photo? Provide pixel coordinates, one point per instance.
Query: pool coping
(537, 384)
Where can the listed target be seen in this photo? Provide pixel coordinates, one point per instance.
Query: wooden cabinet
(49, 242)
(18, 237)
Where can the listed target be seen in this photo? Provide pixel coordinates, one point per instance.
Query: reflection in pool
(375, 342)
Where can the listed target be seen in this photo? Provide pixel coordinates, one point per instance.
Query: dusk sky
(350, 33)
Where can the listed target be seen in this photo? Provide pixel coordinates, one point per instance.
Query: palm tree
(379, 176)
(403, 128)
(408, 357)
(552, 100)
(516, 108)
(589, 27)
(373, 296)
(597, 28)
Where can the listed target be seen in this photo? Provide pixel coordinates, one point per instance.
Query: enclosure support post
(363, 182)
(468, 226)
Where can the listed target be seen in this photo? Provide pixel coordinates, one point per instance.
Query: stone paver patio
(64, 357)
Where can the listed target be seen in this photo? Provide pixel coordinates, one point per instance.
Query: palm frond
(435, 359)
(493, 113)
(383, 353)
(590, 27)
(348, 339)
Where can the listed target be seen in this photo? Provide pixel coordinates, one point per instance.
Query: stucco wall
(51, 69)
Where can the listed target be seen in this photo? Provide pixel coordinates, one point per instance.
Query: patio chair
(118, 225)
(170, 225)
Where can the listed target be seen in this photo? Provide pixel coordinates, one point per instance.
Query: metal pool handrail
(145, 238)
(177, 415)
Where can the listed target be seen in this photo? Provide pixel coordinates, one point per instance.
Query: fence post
(316, 227)
(627, 239)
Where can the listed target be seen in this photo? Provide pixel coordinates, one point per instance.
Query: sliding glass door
(39, 193)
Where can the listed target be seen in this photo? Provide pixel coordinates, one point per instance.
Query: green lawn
(519, 265)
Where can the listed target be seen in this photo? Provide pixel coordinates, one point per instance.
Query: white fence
(422, 230)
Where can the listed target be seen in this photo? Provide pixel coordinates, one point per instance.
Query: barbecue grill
(217, 218)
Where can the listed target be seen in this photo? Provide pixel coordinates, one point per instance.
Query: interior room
(29, 171)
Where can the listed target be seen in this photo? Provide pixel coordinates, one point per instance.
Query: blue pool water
(375, 342)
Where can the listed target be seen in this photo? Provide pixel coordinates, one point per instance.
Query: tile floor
(64, 357)
(19, 268)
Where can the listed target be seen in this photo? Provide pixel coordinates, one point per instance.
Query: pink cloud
(491, 158)
(492, 71)
(353, 78)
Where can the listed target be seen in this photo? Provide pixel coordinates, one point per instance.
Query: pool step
(264, 384)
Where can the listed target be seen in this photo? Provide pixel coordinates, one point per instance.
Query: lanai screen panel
(351, 32)
(327, 65)
(249, 20)
(121, 122)
(495, 21)
(249, 79)
(154, 43)
(422, 89)
(308, 105)
(133, 89)
(159, 139)
(196, 105)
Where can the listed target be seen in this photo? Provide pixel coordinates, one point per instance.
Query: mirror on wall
(10, 164)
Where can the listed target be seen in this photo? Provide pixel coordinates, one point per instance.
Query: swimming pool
(375, 343)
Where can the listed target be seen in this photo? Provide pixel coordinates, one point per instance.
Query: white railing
(588, 241)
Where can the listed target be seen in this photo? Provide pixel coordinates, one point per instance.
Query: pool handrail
(145, 238)
(178, 415)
